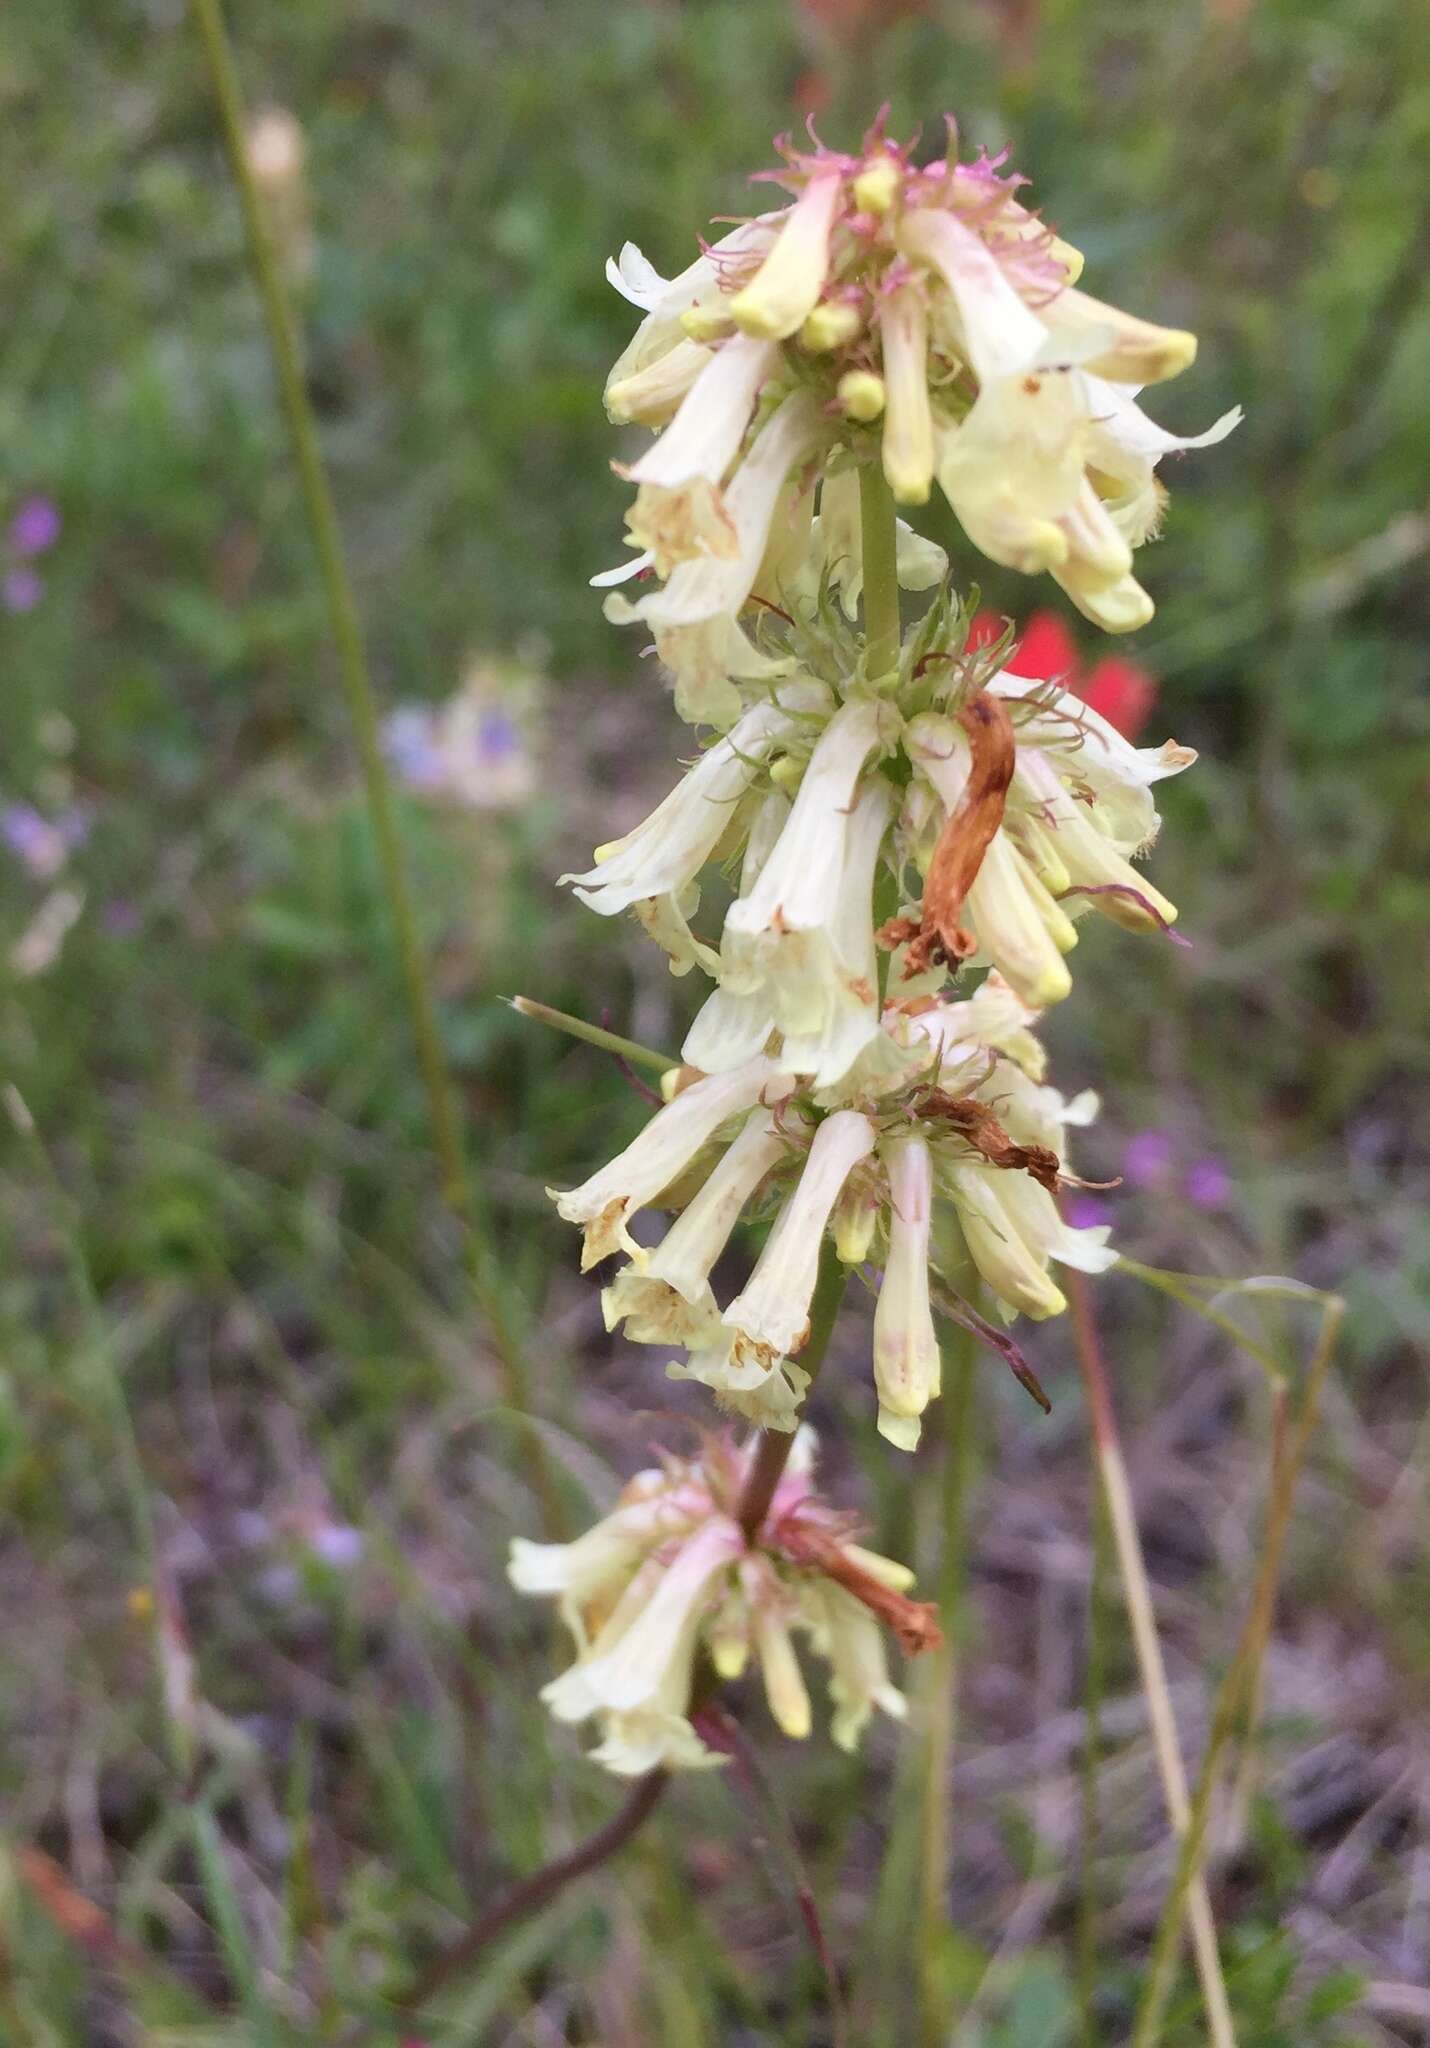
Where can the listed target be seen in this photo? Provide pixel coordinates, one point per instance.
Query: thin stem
(774, 1445)
(629, 1049)
(1094, 1687)
(284, 345)
(1242, 1681)
(539, 1889)
(940, 1695)
(1137, 1592)
(879, 542)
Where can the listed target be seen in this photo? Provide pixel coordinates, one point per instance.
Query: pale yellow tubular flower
(669, 848)
(666, 1297)
(779, 936)
(907, 448)
(695, 615)
(848, 1635)
(679, 511)
(1085, 853)
(1136, 351)
(654, 1160)
(851, 1019)
(906, 1354)
(1120, 607)
(785, 1690)
(650, 396)
(787, 286)
(1013, 468)
(1009, 1265)
(770, 1316)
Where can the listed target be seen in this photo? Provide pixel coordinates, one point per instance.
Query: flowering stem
(283, 340)
(774, 1445)
(1137, 1592)
(879, 542)
(538, 1890)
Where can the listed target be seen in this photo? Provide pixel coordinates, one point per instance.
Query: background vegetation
(231, 1240)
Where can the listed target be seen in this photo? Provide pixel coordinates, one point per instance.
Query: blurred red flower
(1121, 691)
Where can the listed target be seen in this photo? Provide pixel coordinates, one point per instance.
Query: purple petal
(1147, 1160)
(35, 527)
(22, 590)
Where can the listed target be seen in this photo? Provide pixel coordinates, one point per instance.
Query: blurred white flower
(670, 1569)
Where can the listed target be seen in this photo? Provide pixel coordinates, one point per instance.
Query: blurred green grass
(219, 1066)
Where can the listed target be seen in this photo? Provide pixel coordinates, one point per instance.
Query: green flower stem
(628, 1049)
(878, 534)
(774, 1446)
(357, 687)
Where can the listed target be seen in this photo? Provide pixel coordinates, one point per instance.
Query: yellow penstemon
(891, 818)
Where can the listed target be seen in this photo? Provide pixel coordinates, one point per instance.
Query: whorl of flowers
(918, 315)
(669, 1573)
(895, 812)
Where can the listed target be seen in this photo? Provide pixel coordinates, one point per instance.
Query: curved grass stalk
(356, 682)
(1137, 1592)
(1239, 1693)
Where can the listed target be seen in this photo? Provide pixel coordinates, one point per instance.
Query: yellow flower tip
(1179, 351)
(1070, 258)
(902, 1431)
(794, 1716)
(787, 774)
(1043, 545)
(861, 394)
(1053, 985)
(830, 326)
(729, 1655)
(910, 482)
(877, 185)
(754, 313)
(707, 323)
(1051, 1302)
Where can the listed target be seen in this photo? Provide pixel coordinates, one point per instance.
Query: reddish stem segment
(539, 1889)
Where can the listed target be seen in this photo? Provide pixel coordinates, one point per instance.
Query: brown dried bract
(963, 841)
(914, 1622)
(975, 1121)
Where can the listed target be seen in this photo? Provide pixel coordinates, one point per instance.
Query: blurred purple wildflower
(22, 590)
(1208, 1184)
(35, 527)
(42, 844)
(1085, 1212)
(1147, 1161)
(410, 743)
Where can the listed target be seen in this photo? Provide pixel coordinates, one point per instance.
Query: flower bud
(861, 394)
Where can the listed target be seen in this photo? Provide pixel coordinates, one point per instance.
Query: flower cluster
(670, 1574)
(939, 1162)
(906, 823)
(917, 315)
(949, 775)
